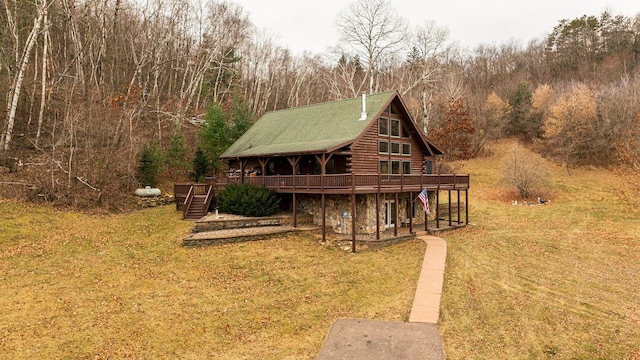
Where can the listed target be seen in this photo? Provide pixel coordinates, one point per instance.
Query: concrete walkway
(426, 301)
(417, 339)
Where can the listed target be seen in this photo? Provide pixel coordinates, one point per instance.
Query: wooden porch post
(411, 207)
(438, 209)
(378, 214)
(324, 216)
(458, 218)
(466, 206)
(449, 200)
(353, 222)
(295, 215)
(263, 166)
(395, 216)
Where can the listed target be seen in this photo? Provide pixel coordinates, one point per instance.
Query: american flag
(424, 198)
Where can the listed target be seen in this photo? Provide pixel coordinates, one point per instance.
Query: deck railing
(345, 182)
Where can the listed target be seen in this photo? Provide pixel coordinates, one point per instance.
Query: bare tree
(23, 60)
(426, 62)
(374, 30)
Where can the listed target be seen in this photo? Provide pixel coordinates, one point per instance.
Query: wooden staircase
(198, 201)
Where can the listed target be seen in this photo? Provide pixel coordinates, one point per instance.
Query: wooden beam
(449, 200)
(395, 215)
(295, 215)
(458, 218)
(378, 215)
(324, 220)
(411, 207)
(466, 207)
(437, 209)
(353, 222)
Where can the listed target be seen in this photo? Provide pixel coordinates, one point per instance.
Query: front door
(389, 213)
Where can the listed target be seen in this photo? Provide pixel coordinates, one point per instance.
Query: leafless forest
(88, 83)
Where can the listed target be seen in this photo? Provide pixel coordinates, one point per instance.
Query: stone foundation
(335, 205)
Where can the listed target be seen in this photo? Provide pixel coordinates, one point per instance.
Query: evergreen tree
(221, 130)
(200, 166)
(521, 121)
(176, 155)
(149, 165)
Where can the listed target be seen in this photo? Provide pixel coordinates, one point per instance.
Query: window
(383, 147)
(395, 148)
(429, 167)
(384, 167)
(395, 128)
(383, 126)
(405, 132)
(406, 167)
(406, 149)
(395, 167)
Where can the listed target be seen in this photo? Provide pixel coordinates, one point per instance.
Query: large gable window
(406, 149)
(406, 167)
(383, 126)
(384, 167)
(405, 132)
(395, 148)
(383, 147)
(395, 127)
(395, 167)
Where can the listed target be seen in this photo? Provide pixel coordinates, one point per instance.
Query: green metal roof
(308, 129)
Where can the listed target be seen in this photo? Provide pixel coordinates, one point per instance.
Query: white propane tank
(148, 191)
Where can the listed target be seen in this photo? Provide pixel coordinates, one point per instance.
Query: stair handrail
(208, 199)
(187, 202)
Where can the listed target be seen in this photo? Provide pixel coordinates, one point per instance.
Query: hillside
(558, 280)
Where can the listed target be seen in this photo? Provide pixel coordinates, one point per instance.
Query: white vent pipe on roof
(363, 115)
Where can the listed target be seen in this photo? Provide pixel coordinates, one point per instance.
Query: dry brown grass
(525, 282)
(556, 281)
(121, 286)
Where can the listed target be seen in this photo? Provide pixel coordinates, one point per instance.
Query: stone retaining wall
(151, 201)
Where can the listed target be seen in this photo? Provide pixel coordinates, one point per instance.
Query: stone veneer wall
(365, 211)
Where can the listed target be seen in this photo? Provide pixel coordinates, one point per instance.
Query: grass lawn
(75, 286)
(558, 281)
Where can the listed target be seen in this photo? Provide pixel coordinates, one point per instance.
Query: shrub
(524, 170)
(248, 200)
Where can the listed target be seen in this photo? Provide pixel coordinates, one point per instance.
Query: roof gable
(308, 129)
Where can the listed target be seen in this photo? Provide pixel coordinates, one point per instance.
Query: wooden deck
(350, 183)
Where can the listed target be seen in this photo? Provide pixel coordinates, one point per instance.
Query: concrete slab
(360, 339)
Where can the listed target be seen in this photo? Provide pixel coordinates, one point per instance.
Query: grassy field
(75, 286)
(558, 281)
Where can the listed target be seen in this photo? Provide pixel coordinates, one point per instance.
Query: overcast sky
(301, 25)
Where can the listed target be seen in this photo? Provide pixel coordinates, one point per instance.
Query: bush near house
(248, 200)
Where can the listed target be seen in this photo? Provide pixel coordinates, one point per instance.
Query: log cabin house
(360, 158)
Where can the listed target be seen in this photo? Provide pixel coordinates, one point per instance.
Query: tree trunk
(15, 94)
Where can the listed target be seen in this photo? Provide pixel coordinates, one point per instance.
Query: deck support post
(438, 209)
(449, 200)
(466, 206)
(353, 222)
(458, 218)
(410, 211)
(295, 215)
(324, 220)
(395, 216)
(378, 214)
